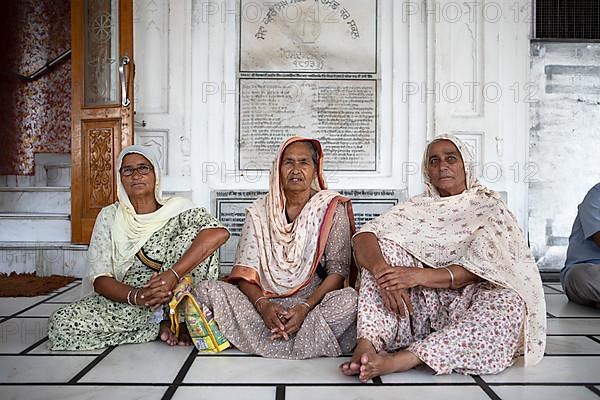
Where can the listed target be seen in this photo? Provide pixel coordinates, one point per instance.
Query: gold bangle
(176, 274)
(451, 277)
(305, 303)
(259, 299)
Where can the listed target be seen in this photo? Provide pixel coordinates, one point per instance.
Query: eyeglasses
(143, 169)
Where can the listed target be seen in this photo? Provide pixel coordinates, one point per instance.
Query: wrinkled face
(445, 168)
(137, 184)
(297, 169)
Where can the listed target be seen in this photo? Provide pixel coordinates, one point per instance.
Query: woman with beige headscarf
(141, 247)
(286, 298)
(447, 279)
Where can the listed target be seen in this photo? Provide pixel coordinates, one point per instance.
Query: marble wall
(563, 144)
(40, 109)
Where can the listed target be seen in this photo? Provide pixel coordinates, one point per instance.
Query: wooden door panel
(101, 124)
(100, 140)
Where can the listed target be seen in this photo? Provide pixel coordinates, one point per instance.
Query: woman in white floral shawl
(447, 279)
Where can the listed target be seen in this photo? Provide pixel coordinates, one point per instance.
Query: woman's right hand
(271, 314)
(154, 294)
(395, 300)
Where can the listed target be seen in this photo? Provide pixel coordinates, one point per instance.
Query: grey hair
(313, 152)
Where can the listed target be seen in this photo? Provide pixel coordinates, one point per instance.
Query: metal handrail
(49, 66)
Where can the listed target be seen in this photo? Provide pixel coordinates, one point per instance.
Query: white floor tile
(425, 375)
(11, 305)
(43, 349)
(551, 370)
(571, 345)
(41, 368)
(544, 392)
(573, 326)
(82, 392)
(17, 334)
(153, 362)
(560, 306)
(43, 310)
(371, 392)
(225, 393)
(264, 370)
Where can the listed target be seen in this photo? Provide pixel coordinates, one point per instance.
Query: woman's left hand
(163, 283)
(294, 318)
(393, 278)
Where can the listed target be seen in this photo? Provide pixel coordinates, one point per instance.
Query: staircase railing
(49, 66)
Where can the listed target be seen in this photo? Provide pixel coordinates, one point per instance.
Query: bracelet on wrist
(451, 277)
(258, 300)
(128, 297)
(305, 303)
(176, 274)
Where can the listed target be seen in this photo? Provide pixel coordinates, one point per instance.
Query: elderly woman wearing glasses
(141, 247)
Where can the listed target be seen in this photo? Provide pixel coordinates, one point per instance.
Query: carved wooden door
(102, 108)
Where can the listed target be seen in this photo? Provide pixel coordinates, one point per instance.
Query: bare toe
(165, 333)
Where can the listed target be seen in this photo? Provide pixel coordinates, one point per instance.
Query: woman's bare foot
(352, 367)
(165, 333)
(184, 336)
(383, 363)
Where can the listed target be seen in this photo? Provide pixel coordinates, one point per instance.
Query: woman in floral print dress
(141, 246)
(286, 296)
(447, 279)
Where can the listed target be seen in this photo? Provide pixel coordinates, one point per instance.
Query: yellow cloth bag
(201, 325)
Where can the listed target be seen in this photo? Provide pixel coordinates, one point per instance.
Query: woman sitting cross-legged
(291, 263)
(141, 247)
(447, 279)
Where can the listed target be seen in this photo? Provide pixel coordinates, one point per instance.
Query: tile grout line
(4, 319)
(553, 288)
(280, 392)
(593, 338)
(486, 388)
(33, 346)
(593, 389)
(300, 385)
(91, 365)
(181, 374)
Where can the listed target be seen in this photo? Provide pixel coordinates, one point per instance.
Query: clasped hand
(158, 291)
(283, 322)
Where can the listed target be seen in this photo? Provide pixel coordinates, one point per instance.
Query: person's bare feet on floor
(166, 335)
(372, 365)
(184, 336)
(352, 367)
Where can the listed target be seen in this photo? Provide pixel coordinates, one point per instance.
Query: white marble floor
(570, 370)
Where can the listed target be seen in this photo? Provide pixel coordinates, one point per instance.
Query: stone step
(17, 180)
(58, 174)
(39, 199)
(44, 258)
(35, 227)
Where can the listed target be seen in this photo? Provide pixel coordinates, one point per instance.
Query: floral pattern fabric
(329, 328)
(96, 321)
(473, 229)
(472, 330)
